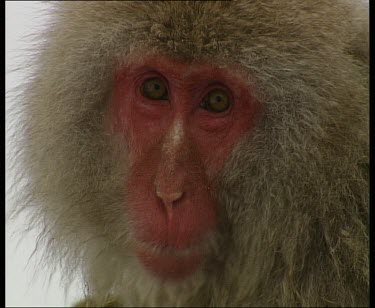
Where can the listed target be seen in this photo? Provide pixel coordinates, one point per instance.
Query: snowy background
(24, 286)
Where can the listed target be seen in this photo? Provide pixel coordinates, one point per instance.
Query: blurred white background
(25, 286)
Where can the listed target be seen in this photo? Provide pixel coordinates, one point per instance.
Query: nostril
(169, 198)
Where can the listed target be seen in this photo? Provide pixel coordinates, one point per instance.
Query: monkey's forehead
(233, 30)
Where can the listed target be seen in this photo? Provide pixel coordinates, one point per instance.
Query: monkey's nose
(169, 199)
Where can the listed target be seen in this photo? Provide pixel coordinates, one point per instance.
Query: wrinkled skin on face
(177, 149)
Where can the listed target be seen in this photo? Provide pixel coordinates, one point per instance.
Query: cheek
(143, 125)
(215, 146)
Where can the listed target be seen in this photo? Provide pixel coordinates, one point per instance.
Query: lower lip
(168, 266)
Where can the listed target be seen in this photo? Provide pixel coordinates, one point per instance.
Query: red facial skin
(176, 149)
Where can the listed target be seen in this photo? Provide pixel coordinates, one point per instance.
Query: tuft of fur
(294, 193)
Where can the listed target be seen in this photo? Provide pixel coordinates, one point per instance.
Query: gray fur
(295, 191)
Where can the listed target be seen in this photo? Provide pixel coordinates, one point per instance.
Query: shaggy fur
(294, 192)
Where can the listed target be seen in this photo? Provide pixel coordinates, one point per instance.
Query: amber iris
(155, 89)
(216, 101)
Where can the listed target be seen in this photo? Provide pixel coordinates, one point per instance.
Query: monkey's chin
(170, 267)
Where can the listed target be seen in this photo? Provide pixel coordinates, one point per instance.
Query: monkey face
(219, 144)
(181, 121)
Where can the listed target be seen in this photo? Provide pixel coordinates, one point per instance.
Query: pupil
(157, 86)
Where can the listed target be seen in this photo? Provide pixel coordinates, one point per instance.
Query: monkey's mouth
(168, 266)
(169, 260)
(169, 263)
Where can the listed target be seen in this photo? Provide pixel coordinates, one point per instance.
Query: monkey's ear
(90, 302)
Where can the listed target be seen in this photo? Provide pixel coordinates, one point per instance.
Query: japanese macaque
(202, 153)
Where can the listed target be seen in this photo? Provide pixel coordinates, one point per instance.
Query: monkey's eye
(216, 101)
(155, 89)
